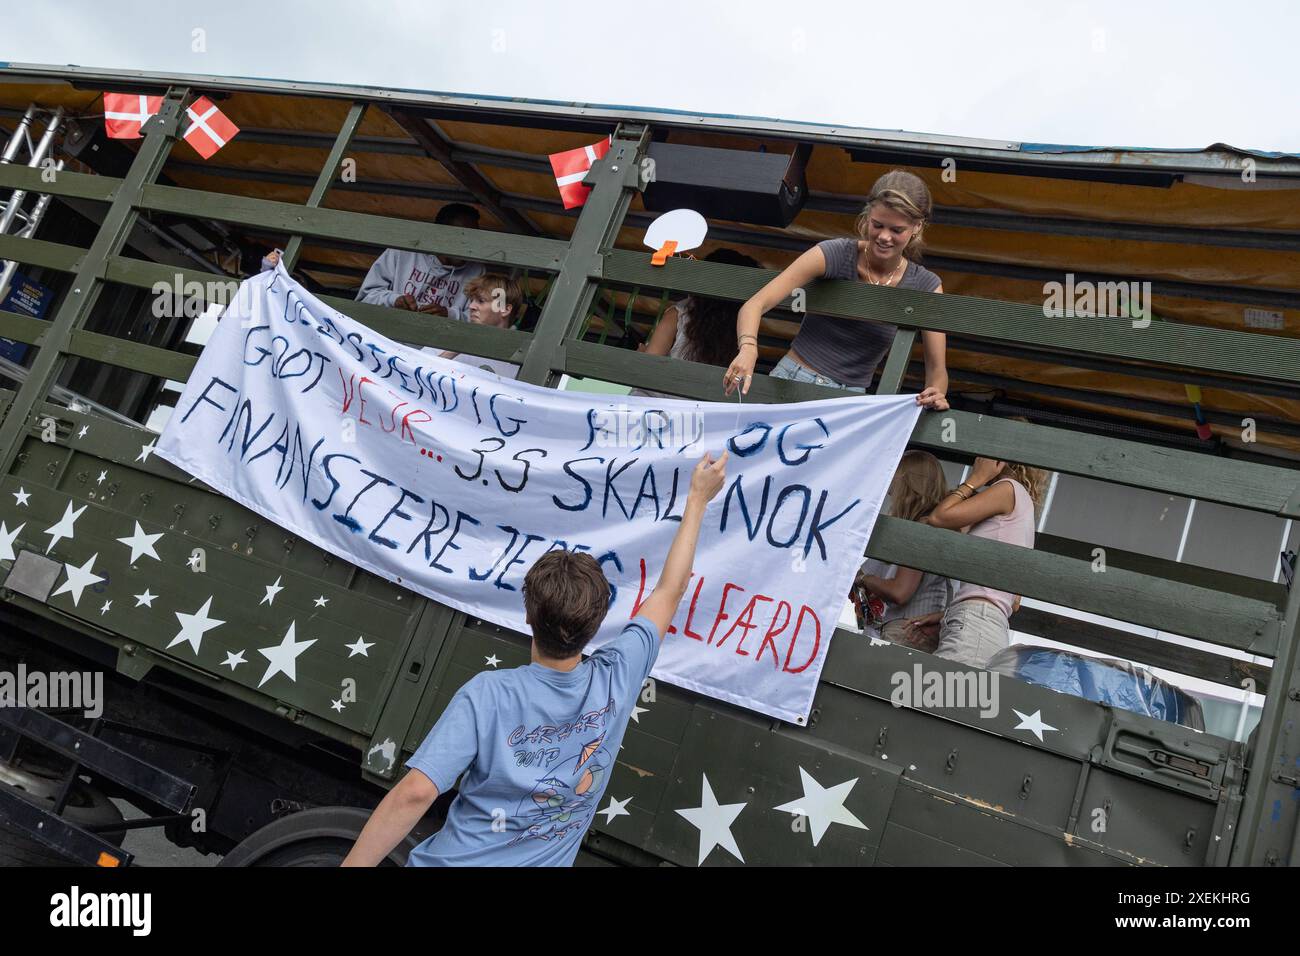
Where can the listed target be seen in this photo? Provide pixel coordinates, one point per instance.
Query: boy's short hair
(566, 597)
(489, 282)
(456, 212)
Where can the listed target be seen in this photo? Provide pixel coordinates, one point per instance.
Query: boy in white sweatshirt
(420, 281)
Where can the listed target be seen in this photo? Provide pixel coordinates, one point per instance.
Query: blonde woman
(997, 501)
(844, 353)
(918, 487)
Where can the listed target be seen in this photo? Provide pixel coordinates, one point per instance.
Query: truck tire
(321, 836)
(87, 806)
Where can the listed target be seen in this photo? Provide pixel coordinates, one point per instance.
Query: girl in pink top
(975, 625)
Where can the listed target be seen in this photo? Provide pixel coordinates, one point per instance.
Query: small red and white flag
(125, 113)
(571, 168)
(209, 128)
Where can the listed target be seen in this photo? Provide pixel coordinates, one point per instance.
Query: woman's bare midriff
(798, 360)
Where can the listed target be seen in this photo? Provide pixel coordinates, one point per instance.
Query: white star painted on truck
(637, 712)
(102, 476)
(337, 705)
(20, 498)
(84, 429)
(823, 806)
(492, 661)
(145, 600)
(192, 561)
(79, 578)
(360, 646)
(63, 528)
(1032, 722)
(321, 601)
(141, 544)
(284, 656)
(714, 821)
(233, 660)
(7, 541)
(271, 591)
(194, 626)
(146, 451)
(617, 808)
(104, 610)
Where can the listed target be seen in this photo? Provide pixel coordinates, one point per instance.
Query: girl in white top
(698, 328)
(975, 626)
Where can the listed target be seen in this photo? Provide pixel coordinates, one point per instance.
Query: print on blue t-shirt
(536, 748)
(574, 763)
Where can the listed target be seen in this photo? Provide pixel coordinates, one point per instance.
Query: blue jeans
(789, 368)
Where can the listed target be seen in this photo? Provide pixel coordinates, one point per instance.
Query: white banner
(451, 481)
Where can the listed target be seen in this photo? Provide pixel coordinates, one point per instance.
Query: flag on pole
(125, 113)
(209, 128)
(571, 167)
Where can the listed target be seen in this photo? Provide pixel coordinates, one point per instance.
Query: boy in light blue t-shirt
(534, 746)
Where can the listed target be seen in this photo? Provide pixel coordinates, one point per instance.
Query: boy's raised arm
(706, 481)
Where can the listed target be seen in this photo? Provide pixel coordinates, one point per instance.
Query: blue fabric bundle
(1104, 680)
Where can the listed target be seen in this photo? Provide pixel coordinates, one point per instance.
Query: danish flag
(125, 113)
(209, 129)
(571, 167)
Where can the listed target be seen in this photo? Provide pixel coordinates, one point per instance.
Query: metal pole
(27, 232)
(20, 133)
(38, 154)
(12, 208)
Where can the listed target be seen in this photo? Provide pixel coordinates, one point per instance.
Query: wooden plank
(1202, 613)
(891, 377)
(65, 183)
(408, 327)
(1245, 484)
(415, 328)
(136, 356)
(1190, 474)
(145, 275)
(22, 328)
(480, 244)
(1238, 584)
(1228, 671)
(38, 252)
(1249, 354)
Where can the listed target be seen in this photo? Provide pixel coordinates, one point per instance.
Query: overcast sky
(1171, 73)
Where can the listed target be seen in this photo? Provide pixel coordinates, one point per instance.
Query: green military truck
(111, 560)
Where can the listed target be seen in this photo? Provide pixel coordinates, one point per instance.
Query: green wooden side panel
(266, 588)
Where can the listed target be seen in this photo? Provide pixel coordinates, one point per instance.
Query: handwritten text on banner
(452, 481)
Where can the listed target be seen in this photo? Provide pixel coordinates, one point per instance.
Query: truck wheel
(87, 806)
(321, 836)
